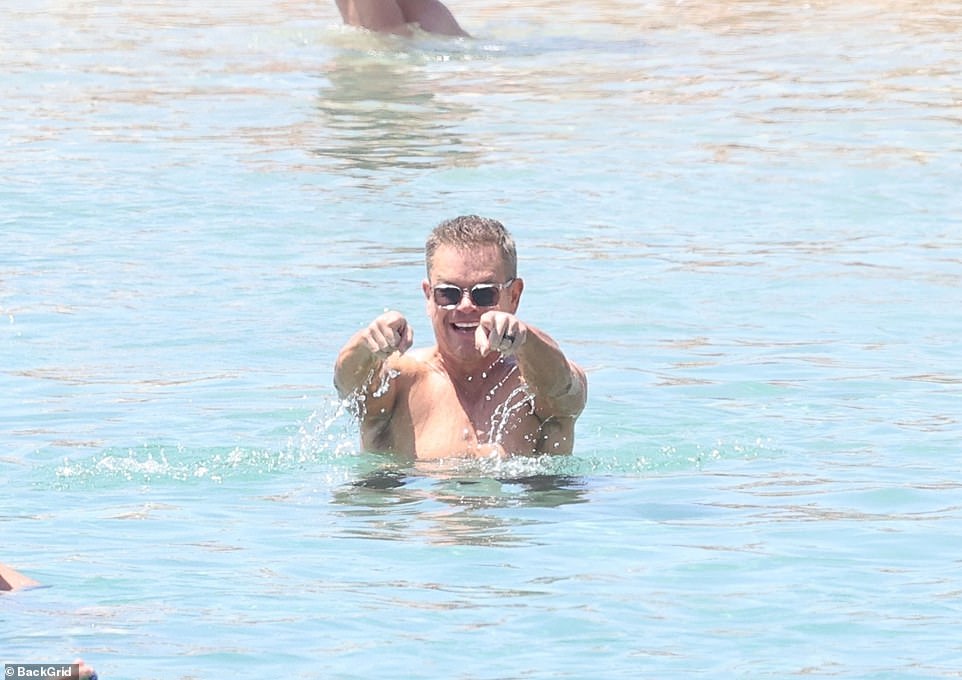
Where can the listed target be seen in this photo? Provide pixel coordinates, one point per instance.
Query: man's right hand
(368, 349)
(387, 334)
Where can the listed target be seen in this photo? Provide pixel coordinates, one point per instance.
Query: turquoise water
(742, 218)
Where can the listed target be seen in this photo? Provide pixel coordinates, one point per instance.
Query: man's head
(472, 269)
(472, 233)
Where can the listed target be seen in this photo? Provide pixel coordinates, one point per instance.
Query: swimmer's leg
(432, 16)
(384, 16)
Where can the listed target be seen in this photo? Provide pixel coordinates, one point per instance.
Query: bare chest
(438, 420)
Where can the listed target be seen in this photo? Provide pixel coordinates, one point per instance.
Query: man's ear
(426, 287)
(517, 287)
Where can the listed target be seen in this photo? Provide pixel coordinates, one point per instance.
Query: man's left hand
(499, 332)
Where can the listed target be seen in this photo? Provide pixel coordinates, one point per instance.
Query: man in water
(490, 385)
(397, 16)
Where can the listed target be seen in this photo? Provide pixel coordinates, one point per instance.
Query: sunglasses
(449, 296)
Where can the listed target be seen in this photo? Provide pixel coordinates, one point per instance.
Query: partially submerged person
(397, 16)
(490, 385)
(11, 579)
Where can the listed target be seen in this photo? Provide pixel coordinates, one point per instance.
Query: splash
(356, 402)
(324, 439)
(325, 444)
(505, 413)
(610, 461)
(386, 379)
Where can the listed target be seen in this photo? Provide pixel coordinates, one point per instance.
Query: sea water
(741, 218)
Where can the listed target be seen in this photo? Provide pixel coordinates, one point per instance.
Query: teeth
(466, 325)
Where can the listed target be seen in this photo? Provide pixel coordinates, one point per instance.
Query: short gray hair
(471, 231)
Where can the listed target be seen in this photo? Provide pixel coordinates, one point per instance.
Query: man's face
(455, 328)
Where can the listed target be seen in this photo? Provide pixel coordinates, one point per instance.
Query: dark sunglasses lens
(447, 296)
(485, 296)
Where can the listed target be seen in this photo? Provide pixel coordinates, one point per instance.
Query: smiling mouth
(465, 326)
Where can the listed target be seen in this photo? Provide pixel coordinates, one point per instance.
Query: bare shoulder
(421, 356)
(400, 372)
(414, 364)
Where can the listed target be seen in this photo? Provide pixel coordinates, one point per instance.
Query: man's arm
(560, 386)
(360, 362)
(363, 370)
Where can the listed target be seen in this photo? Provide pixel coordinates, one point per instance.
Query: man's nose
(466, 302)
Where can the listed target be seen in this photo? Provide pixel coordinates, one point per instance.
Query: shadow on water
(398, 504)
(386, 111)
(536, 490)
